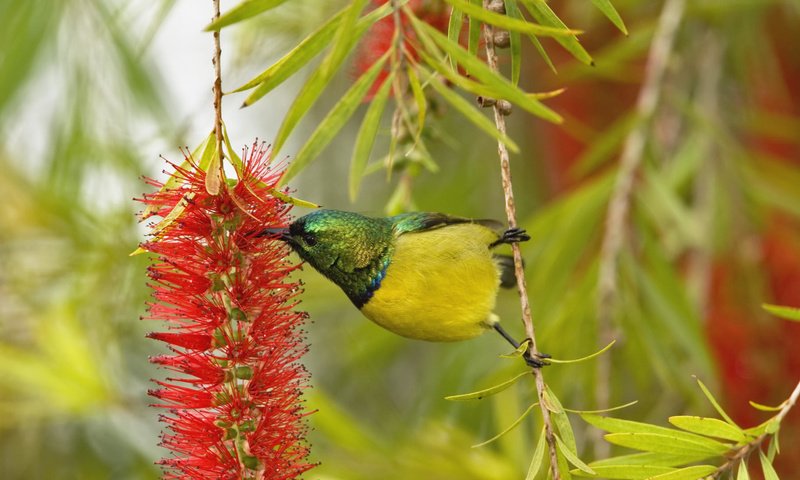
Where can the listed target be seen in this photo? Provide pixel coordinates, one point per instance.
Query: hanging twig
(505, 172)
(619, 204)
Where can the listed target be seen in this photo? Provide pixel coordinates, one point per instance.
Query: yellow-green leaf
(488, 391)
(454, 27)
(508, 23)
(611, 13)
(537, 459)
(366, 136)
(484, 74)
(788, 313)
(512, 10)
(471, 113)
(714, 402)
(765, 408)
(545, 15)
(625, 472)
(510, 427)
(710, 427)
(572, 457)
(742, 473)
(587, 357)
(766, 467)
(243, 11)
(335, 120)
(687, 473)
(668, 443)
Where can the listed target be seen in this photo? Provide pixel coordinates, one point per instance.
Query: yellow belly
(440, 286)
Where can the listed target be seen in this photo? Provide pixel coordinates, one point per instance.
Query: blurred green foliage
(79, 86)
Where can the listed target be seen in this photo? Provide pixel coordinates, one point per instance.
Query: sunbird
(425, 276)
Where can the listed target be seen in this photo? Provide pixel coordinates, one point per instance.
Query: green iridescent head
(348, 248)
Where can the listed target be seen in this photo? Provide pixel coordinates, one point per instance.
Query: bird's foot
(513, 235)
(536, 360)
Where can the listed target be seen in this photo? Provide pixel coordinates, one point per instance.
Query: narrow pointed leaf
(335, 120)
(419, 99)
(666, 443)
(551, 401)
(508, 23)
(710, 427)
(454, 27)
(346, 37)
(687, 473)
(605, 410)
(626, 472)
(538, 458)
(742, 473)
(472, 114)
(714, 402)
(484, 74)
(611, 13)
(587, 357)
(766, 467)
(296, 58)
(618, 425)
(653, 459)
(519, 351)
(544, 15)
(788, 313)
(510, 427)
(487, 391)
(474, 33)
(243, 11)
(302, 54)
(512, 10)
(572, 457)
(765, 408)
(561, 420)
(366, 136)
(542, 52)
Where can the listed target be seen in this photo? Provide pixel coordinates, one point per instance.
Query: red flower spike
(235, 407)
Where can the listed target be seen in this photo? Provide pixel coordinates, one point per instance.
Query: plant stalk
(511, 213)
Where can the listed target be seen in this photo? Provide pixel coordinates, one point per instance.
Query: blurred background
(92, 92)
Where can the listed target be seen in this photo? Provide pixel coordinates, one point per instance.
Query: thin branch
(212, 185)
(619, 204)
(745, 450)
(505, 172)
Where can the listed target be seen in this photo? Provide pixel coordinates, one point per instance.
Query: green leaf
(572, 457)
(419, 99)
(604, 410)
(471, 113)
(243, 11)
(511, 24)
(488, 391)
(311, 90)
(366, 136)
(742, 473)
(551, 401)
(668, 443)
(560, 419)
(627, 472)
(296, 58)
(653, 459)
(512, 10)
(588, 357)
(714, 403)
(687, 473)
(544, 15)
(345, 38)
(454, 27)
(767, 468)
(484, 74)
(510, 427)
(538, 458)
(542, 52)
(788, 313)
(765, 408)
(474, 33)
(335, 120)
(710, 427)
(611, 13)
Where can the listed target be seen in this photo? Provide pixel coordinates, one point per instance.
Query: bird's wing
(421, 221)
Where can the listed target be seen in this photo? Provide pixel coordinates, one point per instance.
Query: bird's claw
(535, 360)
(514, 235)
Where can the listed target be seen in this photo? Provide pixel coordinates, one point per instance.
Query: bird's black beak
(277, 233)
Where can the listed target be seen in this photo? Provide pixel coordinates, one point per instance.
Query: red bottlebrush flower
(235, 408)
(379, 38)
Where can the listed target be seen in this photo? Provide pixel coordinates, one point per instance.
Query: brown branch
(214, 180)
(505, 172)
(619, 204)
(745, 450)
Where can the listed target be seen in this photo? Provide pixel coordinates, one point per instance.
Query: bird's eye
(309, 239)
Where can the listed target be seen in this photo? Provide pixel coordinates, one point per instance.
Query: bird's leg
(536, 361)
(512, 235)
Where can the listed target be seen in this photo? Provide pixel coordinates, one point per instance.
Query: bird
(421, 275)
